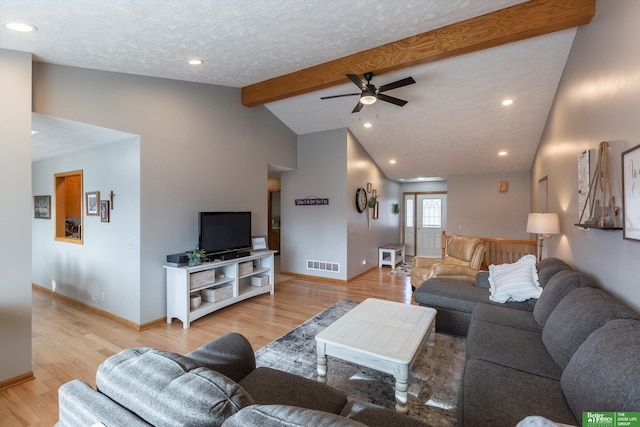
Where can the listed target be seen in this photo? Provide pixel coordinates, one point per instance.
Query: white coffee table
(382, 335)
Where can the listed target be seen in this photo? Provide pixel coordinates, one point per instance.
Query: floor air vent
(323, 265)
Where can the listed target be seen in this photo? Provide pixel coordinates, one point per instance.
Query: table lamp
(544, 225)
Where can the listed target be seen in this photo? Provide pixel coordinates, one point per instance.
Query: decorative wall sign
(631, 193)
(312, 201)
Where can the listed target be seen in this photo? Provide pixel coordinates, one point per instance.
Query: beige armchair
(462, 262)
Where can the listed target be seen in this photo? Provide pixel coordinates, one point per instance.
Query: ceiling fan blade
(358, 107)
(356, 80)
(391, 99)
(339, 96)
(395, 85)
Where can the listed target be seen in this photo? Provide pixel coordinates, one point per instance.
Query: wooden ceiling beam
(525, 20)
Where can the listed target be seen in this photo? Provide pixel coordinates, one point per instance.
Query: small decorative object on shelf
(195, 256)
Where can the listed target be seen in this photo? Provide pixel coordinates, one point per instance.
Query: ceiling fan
(370, 93)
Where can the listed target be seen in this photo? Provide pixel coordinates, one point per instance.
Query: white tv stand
(217, 275)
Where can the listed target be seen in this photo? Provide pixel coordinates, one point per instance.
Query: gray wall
(333, 164)
(86, 272)
(15, 214)
(476, 208)
(200, 149)
(598, 100)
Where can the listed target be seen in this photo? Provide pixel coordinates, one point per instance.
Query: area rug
(403, 269)
(433, 383)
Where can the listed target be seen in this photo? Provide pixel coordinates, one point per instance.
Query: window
(432, 213)
(409, 221)
(68, 202)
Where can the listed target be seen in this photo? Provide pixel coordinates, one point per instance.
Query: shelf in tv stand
(179, 285)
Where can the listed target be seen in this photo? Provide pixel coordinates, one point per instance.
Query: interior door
(431, 219)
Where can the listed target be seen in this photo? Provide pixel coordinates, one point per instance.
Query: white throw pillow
(514, 282)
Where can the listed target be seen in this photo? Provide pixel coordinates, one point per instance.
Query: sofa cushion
(548, 267)
(287, 416)
(579, 314)
(557, 288)
(231, 355)
(505, 316)
(456, 295)
(168, 389)
(377, 416)
(269, 386)
(514, 282)
(511, 347)
(604, 372)
(494, 395)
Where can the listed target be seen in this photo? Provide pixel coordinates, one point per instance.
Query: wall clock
(361, 199)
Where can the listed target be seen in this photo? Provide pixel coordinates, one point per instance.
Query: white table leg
(402, 385)
(431, 340)
(321, 363)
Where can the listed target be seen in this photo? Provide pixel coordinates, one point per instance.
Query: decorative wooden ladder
(600, 182)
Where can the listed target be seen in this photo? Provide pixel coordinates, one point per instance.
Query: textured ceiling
(452, 124)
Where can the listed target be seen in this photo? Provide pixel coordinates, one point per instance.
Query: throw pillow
(514, 282)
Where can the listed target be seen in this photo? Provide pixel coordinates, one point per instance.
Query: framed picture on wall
(92, 203)
(104, 211)
(631, 193)
(42, 207)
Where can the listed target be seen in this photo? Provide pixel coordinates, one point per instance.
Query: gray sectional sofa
(574, 349)
(217, 384)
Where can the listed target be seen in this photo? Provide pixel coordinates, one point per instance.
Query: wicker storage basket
(217, 294)
(202, 278)
(245, 267)
(259, 280)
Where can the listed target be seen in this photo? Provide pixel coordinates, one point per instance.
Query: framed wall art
(104, 211)
(92, 203)
(631, 193)
(42, 207)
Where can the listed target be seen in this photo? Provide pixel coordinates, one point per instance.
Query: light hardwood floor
(70, 342)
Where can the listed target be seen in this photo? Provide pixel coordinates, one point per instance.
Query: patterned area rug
(403, 269)
(433, 384)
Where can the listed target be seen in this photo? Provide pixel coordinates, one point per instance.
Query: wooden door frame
(415, 213)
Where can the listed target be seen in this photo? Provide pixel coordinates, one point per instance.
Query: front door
(431, 219)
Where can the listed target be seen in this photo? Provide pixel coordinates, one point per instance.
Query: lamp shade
(543, 223)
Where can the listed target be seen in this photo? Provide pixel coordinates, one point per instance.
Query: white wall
(200, 149)
(332, 164)
(16, 209)
(597, 100)
(105, 270)
(476, 208)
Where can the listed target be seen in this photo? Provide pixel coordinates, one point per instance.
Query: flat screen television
(224, 231)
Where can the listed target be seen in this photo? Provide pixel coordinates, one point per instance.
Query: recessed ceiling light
(392, 161)
(21, 27)
(507, 102)
(195, 62)
(502, 153)
(367, 124)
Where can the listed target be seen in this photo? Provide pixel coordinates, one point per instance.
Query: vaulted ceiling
(466, 57)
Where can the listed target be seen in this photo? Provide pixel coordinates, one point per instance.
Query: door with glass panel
(431, 219)
(409, 223)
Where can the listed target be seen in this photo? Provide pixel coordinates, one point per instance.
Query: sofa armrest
(458, 272)
(80, 405)
(482, 280)
(425, 262)
(230, 355)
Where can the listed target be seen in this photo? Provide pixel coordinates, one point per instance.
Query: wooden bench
(390, 254)
(499, 250)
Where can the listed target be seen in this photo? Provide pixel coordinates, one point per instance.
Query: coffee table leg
(431, 340)
(402, 385)
(322, 364)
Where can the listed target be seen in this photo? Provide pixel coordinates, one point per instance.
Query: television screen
(224, 231)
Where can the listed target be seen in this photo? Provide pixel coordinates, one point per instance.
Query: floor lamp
(544, 225)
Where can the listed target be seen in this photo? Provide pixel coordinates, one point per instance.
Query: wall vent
(323, 265)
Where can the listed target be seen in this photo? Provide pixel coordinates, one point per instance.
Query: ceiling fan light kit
(370, 93)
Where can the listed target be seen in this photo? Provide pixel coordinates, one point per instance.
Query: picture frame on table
(259, 243)
(631, 194)
(42, 207)
(104, 211)
(92, 202)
